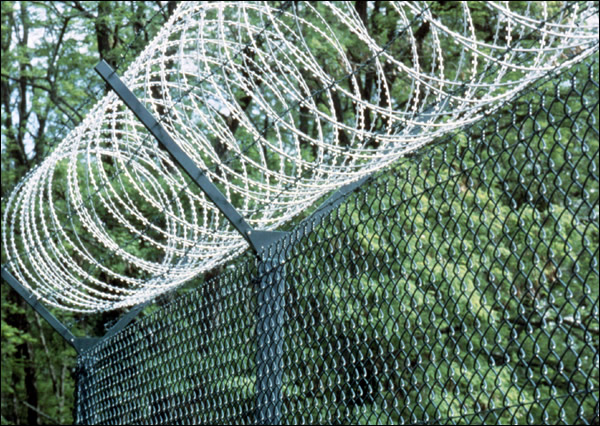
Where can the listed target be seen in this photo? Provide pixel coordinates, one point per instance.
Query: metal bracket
(124, 320)
(83, 344)
(261, 240)
(308, 224)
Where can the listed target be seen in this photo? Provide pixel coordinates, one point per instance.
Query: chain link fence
(460, 286)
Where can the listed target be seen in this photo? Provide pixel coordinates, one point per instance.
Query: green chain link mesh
(461, 286)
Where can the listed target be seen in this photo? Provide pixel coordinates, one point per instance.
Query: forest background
(49, 50)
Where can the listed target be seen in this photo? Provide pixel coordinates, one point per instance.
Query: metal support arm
(79, 343)
(257, 239)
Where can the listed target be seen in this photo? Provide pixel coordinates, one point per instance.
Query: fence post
(83, 412)
(269, 339)
(270, 285)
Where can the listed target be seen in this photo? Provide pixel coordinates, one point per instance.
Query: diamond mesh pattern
(459, 286)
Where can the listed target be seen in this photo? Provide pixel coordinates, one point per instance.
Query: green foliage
(49, 50)
(460, 287)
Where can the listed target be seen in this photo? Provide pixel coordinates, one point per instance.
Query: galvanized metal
(255, 238)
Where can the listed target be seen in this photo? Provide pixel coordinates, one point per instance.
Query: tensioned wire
(70, 216)
(316, 92)
(449, 136)
(196, 242)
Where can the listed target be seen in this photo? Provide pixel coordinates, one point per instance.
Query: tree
(47, 85)
(466, 291)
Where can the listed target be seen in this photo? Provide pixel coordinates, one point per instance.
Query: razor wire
(457, 286)
(215, 73)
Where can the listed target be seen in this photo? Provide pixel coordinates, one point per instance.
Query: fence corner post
(269, 339)
(83, 412)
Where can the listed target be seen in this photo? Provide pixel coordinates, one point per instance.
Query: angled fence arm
(257, 239)
(125, 320)
(40, 309)
(269, 291)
